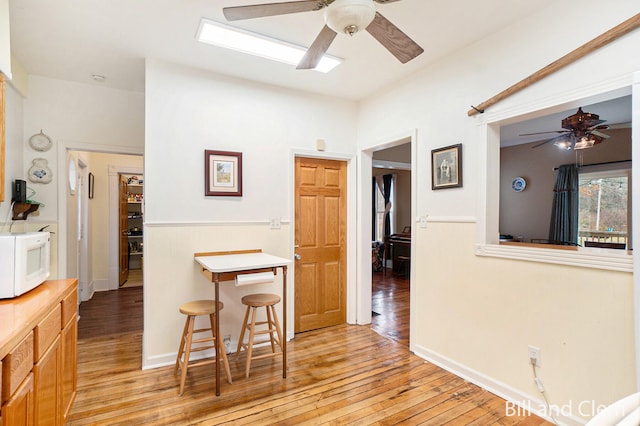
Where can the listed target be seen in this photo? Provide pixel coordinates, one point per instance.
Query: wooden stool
(254, 301)
(192, 310)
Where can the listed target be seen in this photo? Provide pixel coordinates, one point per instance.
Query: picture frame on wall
(446, 167)
(223, 173)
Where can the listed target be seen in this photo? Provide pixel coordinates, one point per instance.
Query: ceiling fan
(582, 131)
(341, 16)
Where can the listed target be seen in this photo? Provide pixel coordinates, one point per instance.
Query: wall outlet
(227, 343)
(534, 355)
(274, 223)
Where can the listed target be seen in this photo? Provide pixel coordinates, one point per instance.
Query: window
(380, 208)
(603, 208)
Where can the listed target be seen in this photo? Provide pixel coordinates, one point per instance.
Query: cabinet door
(46, 374)
(69, 376)
(18, 410)
(124, 231)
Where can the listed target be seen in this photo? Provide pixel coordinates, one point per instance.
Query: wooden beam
(223, 253)
(598, 42)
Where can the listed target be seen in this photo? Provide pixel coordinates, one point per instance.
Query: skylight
(222, 35)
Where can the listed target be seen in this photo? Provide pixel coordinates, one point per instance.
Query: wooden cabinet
(38, 349)
(69, 379)
(18, 410)
(46, 375)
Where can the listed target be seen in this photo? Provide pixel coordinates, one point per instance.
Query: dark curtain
(564, 211)
(373, 208)
(386, 192)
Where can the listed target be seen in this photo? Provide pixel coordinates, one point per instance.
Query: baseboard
(514, 397)
(100, 285)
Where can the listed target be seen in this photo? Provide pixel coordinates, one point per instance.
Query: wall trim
(452, 219)
(587, 258)
(214, 223)
(496, 387)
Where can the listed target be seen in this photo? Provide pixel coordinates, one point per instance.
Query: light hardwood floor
(340, 375)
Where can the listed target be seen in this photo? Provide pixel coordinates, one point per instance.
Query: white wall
(99, 211)
(78, 115)
(13, 150)
(477, 315)
(188, 111)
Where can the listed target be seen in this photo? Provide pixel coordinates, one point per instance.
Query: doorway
(391, 236)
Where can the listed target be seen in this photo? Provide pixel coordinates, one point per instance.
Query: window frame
(487, 220)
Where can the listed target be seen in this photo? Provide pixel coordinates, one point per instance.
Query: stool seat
(260, 299)
(253, 302)
(200, 307)
(188, 344)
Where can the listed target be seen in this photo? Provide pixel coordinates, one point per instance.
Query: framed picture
(222, 173)
(446, 167)
(91, 184)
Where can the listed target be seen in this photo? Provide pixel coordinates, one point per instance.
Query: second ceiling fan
(582, 131)
(341, 16)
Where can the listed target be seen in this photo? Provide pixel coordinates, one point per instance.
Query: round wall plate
(519, 184)
(40, 142)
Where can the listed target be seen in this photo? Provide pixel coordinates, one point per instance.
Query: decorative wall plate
(519, 184)
(40, 171)
(40, 142)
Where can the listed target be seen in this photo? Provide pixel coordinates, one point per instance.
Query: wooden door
(320, 239)
(123, 231)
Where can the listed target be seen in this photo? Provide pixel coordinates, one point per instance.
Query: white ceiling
(73, 39)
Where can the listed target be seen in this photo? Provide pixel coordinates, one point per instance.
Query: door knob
(296, 256)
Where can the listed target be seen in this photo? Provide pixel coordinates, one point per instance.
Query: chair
(253, 302)
(192, 310)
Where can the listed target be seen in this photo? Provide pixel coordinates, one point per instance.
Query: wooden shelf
(22, 210)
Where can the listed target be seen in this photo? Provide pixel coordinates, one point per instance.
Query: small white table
(225, 266)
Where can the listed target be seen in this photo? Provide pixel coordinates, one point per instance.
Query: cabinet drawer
(69, 307)
(46, 332)
(16, 366)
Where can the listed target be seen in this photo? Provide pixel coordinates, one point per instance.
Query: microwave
(24, 262)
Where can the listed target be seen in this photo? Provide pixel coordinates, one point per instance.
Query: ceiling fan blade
(393, 39)
(543, 133)
(318, 48)
(236, 13)
(385, 1)
(569, 137)
(598, 134)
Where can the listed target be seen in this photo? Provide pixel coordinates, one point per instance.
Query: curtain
(386, 192)
(374, 218)
(564, 210)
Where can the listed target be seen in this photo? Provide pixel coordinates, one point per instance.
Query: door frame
(64, 146)
(114, 216)
(365, 165)
(351, 229)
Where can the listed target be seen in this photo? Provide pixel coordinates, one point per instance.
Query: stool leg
(181, 348)
(270, 325)
(225, 361)
(244, 328)
(250, 342)
(187, 353)
(277, 324)
(221, 349)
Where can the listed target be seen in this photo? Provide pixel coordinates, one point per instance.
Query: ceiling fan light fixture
(585, 142)
(349, 16)
(563, 144)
